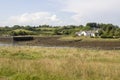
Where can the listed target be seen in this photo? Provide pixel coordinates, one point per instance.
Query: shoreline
(55, 42)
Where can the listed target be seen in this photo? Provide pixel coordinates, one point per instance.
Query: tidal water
(6, 44)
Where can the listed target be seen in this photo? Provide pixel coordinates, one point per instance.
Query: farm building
(86, 33)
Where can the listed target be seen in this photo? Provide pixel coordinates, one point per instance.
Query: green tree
(21, 32)
(117, 32)
(92, 25)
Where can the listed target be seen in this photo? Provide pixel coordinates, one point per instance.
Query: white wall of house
(93, 34)
(86, 33)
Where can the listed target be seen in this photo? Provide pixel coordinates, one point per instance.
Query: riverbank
(58, 42)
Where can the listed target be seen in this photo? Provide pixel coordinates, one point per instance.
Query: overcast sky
(58, 12)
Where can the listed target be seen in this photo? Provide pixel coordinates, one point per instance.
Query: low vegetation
(38, 63)
(103, 30)
(21, 32)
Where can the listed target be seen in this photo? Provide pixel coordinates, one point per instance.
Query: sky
(58, 12)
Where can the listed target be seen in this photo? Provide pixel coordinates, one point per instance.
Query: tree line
(104, 30)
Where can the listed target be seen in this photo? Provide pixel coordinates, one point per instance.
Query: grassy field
(44, 63)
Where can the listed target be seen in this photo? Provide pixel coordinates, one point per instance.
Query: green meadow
(46, 63)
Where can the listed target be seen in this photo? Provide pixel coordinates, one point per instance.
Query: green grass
(40, 63)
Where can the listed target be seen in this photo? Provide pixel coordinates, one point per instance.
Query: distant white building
(86, 33)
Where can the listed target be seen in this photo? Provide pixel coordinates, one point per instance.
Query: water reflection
(5, 44)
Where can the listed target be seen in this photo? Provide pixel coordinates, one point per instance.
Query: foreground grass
(37, 63)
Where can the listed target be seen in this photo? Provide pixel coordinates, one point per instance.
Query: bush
(21, 32)
(106, 36)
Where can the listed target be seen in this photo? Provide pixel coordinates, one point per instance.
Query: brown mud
(55, 42)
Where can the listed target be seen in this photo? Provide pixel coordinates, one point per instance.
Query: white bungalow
(86, 33)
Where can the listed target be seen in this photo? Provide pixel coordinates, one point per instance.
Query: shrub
(106, 36)
(21, 32)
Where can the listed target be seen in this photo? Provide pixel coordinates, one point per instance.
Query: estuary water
(6, 44)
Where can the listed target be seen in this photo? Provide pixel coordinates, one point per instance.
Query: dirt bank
(54, 41)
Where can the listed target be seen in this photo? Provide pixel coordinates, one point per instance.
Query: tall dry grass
(38, 63)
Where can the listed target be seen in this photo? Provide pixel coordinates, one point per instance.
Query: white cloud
(71, 12)
(93, 10)
(37, 18)
(83, 6)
